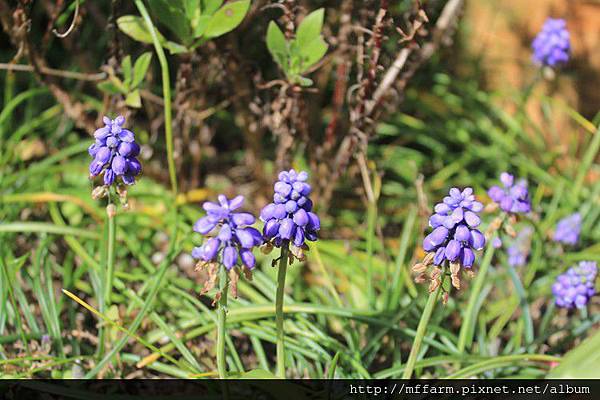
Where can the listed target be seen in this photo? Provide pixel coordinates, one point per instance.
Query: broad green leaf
(201, 25)
(582, 362)
(112, 85)
(135, 27)
(311, 53)
(127, 72)
(173, 17)
(304, 81)
(257, 374)
(140, 68)
(310, 28)
(277, 45)
(174, 48)
(210, 6)
(227, 18)
(133, 99)
(192, 9)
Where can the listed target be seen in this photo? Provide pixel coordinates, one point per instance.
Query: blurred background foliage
(467, 105)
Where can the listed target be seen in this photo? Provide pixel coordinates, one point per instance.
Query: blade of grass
(42, 227)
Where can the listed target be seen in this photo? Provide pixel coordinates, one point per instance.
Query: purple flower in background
(518, 251)
(551, 46)
(115, 152)
(575, 287)
(290, 218)
(512, 196)
(231, 239)
(454, 236)
(568, 229)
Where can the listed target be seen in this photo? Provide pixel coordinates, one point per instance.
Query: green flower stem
(154, 288)
(110, 259)
(470, 317)
(421, 330)
(283, 261)
(222, 316)
(166, 86)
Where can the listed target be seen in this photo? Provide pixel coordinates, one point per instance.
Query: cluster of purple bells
(455, 237)
(289, 219)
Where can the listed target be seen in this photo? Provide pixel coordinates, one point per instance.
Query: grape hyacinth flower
(512, 197)
(289, 219)
(233, 238)
(575, 287)
(230, 243)
(568, 229)
(518, 251)
(455, 236)
(114, 153)
(551, 46)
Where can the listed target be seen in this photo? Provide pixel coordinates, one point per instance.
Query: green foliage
(132, 79)
(192, 22)
(583, 362)
(297, 56)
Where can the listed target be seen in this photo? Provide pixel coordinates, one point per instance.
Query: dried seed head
(212, 271)
(455, 281)
(99, 192)
(419, 268)
(428, 258)
(200, 264)
(266, 248)
(298, 252)
(433, 285)
(420, 278)
(490, 207)
(510, 231)
(111, 210)
(494, 226)
(247, 273)
(233, 281)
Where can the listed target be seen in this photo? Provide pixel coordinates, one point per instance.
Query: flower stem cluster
(454, 238)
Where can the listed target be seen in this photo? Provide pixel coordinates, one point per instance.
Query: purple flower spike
(568, 229)
(115, 152)
(575, 287)
(232, 238)
(290, 218)
(512, 197)
(519, 249)
(551, 47)
(454, 237)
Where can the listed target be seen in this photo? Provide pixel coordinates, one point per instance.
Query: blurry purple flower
(551, 46)
(512, 196)
(454, 223)
(114, 153)
(497, 243)
(575, 287)
(290, 217)
(518, 251)
(232, 239)
(568, 229)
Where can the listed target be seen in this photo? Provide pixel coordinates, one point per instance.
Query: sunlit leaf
(310, 28)
(277, 45)
(127, 71)
(133, 99)
(227, 18)
(140, 68)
